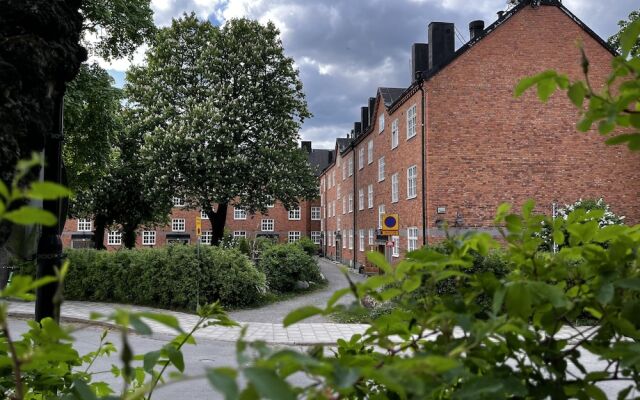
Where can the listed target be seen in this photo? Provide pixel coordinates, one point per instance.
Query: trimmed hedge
(286, 264)
(172, 277)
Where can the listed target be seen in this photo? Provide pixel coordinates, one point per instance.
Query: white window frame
(412, 238)
(344, 205)
(316, 237)
(395, 252)
(206, 237)
(411, 121)
(239, 213)
(361, 199)
(395, 188)
(412, 182)
(381, 123)
(239, 234)
(294, 236)
(295, 214)
(315, 214)
(203, 215)
(176, 223)
(267, 225)
(350, 239)
(351, 202)
(114, 238)
(148, 238)
(381, 169)
(350, 170)
(345, 239)
(178, 201)
(338, 192)
(371, 237)
(395, 133)
(84, 225)
(370, 196)
(361, 158)
(370, 152)
(381, 212)
(361, 240)
(344, 171)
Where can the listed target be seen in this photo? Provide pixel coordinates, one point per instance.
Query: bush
(171, 277)
(286, 264)
(307, 245)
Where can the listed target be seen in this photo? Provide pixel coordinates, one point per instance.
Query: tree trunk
(98, 233)
(218, 220)
(129, 237)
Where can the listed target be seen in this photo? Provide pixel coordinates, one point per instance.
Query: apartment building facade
(454, 144)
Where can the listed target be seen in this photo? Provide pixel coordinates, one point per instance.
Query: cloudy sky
(346, 49)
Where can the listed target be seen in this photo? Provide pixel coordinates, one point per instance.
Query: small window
(381, 123)
(394, 188)
(239, 213)
(371, 237)
(396, 246)
(361, 158)
(411, 122)
(178, 202)
(380, 215)
(114, 238)
(370, 196)
(338, 194)
(370, 152)
(177, 225)
(148, 238)
(361, 199)
(294, 214)
(361, 240)
(239, 234)
(381, 169)
(412, 182)
(350, 239)
(344, 205)
(267, 225)
(203, 215)
(294, 236)
(316, 237)
(412, 238)
(350, 202)
(394, 134)
(84, 225)
(350, 173)
(315, 213)
(206, 237)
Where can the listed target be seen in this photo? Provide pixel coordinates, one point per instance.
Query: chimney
(364, 118)
(372, 106)
(357, 129)
(306, 146)
(476, 29)
(419, 59)
(500, 14)
(441, 44)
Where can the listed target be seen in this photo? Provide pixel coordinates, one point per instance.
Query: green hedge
(171, 277)
(286, 264)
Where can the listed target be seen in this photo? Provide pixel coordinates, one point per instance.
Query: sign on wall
(390, 224)
(198, 226)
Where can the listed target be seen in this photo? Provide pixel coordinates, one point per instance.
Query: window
(315, 213)
(370, 152)
(381, 123)
(350, 239)
(334, 208)
(294, 236)
(239, 234)
(267, 225)
(344, 171)
(394, 134)
(114, 238)
(177, 224)
(203, 215)
(380, 215)
(396, 246)
(411, 122)
(148, 238)
(345, 239)
(239, 213)
(344, 205)
(206, 237)
(412, 182)
(361, 158)
(271, 205)
(412, 238)
(294, 214)
(394, 188)
(178, 202)
(381, 169)
(350, 202)
(350, 165)
(316, 237)
(84, 225)
(361, 199)
(338, 223)
(370, 196)
(371, 237)
(361, 240)
(338, 194)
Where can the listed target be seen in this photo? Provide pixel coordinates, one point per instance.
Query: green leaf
(595, 393)
(300, 314)
(605, 293)
(337, 295)
(164, 319)
(629, 283)
(412, 283)
(4, 191)
(546, 87)
(47, 191)
(524, 85)
(82, 391)
(176, 357)
(629, 36)
(577, 93)
(139, 325)
(268, 384)
(518, 300)
(150, 360)
(224, 380)
(27, 215)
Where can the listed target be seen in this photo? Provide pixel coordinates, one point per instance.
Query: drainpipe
(356, 245)
(424, 165)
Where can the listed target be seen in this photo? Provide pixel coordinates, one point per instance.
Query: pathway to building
(262, 323)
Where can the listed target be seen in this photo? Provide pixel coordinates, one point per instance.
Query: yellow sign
(390, 224)
(198, 226)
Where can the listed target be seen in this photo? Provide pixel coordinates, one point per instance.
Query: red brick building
(279, 223)
(455, 143)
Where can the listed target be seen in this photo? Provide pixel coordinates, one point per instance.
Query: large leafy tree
(614, 41)
(222, 108)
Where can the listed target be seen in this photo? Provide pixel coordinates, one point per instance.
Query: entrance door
(339, 248)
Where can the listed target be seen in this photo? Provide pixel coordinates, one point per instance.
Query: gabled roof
(319, 160)
(390, 95)
(343, 143)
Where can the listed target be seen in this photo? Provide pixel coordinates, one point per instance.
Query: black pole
(425, 226)
(50, 244)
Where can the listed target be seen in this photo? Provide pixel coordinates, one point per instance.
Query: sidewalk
(272, 333)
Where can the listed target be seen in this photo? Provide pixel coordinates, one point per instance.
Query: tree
(614, 41)
(222, 108)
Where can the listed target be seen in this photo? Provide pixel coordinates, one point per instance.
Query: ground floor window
(148, 238)
(267, 225)
(371, 237)
(294, 236)
(412, 238)
(315, 236)
(206, 237)
(114, 238)
(239, 234)
(177, 224)
(396, 246)
(361, 240)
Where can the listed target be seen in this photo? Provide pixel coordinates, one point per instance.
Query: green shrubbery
(172, 277)
(286, 264)
(308, 246)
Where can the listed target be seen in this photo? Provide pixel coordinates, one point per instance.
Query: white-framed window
(203, 215)
(361, 158)
(350, 239)
(148, 238)
(371, 237)
(239, 213)
(412, 238)
(411, 122)
(350, 171)
(338, 192)
(394, 188)
(239, 234)
(333, 177)
(178, 201)
(315, 213)
(177, 225)
(316, 237)
(380, 215)
(344, 205)
(344, 171)
(396, 246)
(338, 224)
(412, 182)
(206, 237)
(361, 240)
(351, 202)
(380, 169)
(345, 239)
(394, 133)
(294, 236)
(267, 225)
(294, 214)
(370, 196)
(84, 225)
(334, 207)
(381, 123)
(271, 205)
(370, 152)
(114, 238)
(361, 199)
